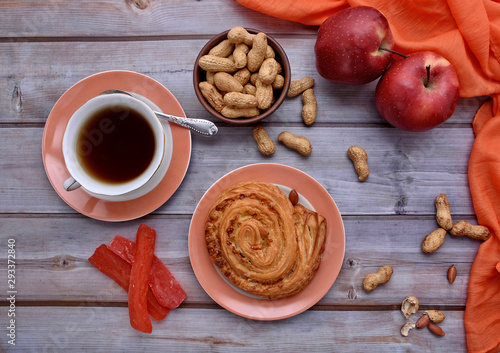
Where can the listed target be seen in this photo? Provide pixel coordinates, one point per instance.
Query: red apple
(419, 92)
(348, 47)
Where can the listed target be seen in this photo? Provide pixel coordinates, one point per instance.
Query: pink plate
(75, 97)
(249, 306)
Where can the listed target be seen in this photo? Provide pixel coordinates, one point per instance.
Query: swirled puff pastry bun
(261, 242)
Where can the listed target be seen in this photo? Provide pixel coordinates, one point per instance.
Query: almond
(435, 329)
(452, 273)
(294, 197)
(423, 321)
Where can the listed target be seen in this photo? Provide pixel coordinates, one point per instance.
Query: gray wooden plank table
(63, 303)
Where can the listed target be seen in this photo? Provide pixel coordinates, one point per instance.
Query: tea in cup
(113, 145)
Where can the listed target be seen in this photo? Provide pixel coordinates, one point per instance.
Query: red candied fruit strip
(118, 270)
(139, 279)
(163, 284)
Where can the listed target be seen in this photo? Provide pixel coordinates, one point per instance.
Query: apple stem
(394, 52)
(428, 68)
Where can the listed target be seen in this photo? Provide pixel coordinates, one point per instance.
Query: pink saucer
(56, 123)
(244, 304)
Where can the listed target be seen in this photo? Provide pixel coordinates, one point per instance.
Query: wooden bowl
(199, 75)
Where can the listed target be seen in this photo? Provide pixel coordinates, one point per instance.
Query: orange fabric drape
(467, 33)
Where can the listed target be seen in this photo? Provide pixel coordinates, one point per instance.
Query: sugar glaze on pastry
(261, 242)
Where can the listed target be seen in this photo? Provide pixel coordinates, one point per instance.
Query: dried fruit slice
(118, 270)
(139, 279)
(163, 284)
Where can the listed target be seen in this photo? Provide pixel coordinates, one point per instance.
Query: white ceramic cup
(81, 178)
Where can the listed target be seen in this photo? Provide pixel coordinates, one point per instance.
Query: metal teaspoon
(201, 126)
